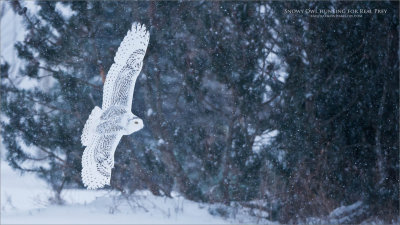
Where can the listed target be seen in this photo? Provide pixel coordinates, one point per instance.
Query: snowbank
(25, 200)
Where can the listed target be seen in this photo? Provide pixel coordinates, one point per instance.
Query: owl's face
(134, 124)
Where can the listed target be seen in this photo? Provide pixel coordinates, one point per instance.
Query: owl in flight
(105, 126)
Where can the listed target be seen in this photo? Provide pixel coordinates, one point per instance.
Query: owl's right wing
(98, 160)
(128, 61)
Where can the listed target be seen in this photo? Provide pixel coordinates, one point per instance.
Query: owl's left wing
(98, 160)
(128, 61)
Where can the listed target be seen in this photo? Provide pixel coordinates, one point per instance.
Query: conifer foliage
(217, 76)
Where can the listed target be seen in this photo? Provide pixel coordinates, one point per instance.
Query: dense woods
(218, 77)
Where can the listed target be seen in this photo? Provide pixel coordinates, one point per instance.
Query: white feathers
(127, 64)
(105, 127)
(136, 39)
(91, 177)
(111, 78)
(90, 126)
(98, 160)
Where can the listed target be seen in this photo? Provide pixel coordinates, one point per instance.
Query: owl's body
(116, 119)
(105, 126)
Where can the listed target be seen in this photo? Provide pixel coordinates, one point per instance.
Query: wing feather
(98, 157)
(98, 160)
(128, 61)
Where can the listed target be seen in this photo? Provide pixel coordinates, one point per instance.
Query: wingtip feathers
(91, 177)
(136, 38)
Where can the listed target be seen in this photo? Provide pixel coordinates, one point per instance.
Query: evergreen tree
(338, 120)
(211, 84)
(197, 119)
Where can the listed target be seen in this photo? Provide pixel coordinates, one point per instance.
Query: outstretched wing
(98, 160)
(128, 61)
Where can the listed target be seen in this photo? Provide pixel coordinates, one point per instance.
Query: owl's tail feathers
(90, 126)
(91, 177)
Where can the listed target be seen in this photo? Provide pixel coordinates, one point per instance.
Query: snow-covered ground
(25, 200)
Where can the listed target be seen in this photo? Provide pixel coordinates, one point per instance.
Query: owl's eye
(136, 122)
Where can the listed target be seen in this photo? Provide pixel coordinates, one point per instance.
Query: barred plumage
(105, 127)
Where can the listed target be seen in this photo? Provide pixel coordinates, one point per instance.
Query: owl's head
(134, 124)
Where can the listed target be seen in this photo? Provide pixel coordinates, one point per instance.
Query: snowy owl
(105, 126)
